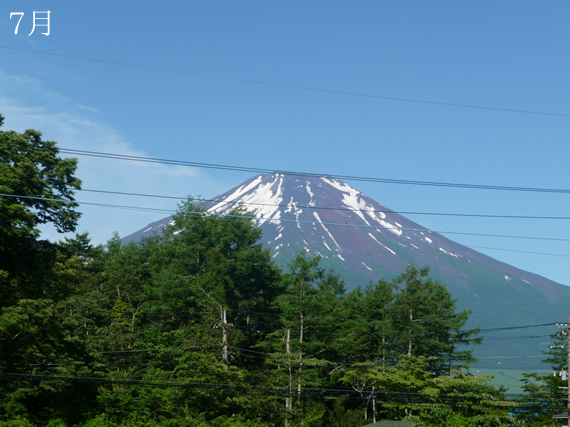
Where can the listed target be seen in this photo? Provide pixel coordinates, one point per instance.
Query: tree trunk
(289, 399)
(224, 338)
(410, 339)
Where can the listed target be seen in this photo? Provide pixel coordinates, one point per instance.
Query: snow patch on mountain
(449, 253)
(291, 206)
(391, 228)
(236, 194)
(265, 197)
(297, 213)
(318, 218)
(309, 189)
(340, 186)
(350, 197)
(353, 199)
(381, 244)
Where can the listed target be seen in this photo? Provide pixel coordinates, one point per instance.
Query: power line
(261, 219)
(516, 337)
(488, 400)
(519, 251)
(510, 357)
(237, 202)
(359, 210)
(510, 328)
(288, 86)
(308, 174)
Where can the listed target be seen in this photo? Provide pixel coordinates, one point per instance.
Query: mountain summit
(364, 240)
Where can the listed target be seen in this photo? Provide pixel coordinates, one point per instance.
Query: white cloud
(75, 126)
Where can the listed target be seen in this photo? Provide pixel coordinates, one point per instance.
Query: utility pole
(568, 370)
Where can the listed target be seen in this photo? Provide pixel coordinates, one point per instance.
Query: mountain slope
(363, 240)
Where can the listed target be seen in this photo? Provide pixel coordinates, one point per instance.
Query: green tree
(429, 324)
(165, 297)
(545, 395)
(368, 333)
(36, 188)
(206, 265)
(34, 341)
(288, 344)
(405, 388)
(466, 400)
(302, 348)
(363, 377)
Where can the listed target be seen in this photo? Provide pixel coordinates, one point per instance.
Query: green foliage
(198, 327)
(205, 263)
(408, 391)
(29, 168)
(432, 327)
(368, 332)
(32, 341)
(545, 395)
(37, 188)
(468, 400)
(340, 416)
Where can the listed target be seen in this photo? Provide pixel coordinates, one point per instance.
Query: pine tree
(546, 395)
(426, 316)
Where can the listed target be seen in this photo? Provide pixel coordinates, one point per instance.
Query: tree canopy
(37, 188)
(39, 183)
(198, 326)
(546, 395)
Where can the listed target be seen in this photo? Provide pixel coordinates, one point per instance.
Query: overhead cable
(488, 400)
(509, 328)
(238, 202)
(308, 174)
(262, 219)
(289, 86)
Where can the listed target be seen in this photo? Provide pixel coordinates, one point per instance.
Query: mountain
(363, 240)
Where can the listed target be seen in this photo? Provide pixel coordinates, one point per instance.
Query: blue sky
(507, 55)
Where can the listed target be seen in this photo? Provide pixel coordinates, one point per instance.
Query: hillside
(364, 240)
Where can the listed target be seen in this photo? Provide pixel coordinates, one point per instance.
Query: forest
(198, 326)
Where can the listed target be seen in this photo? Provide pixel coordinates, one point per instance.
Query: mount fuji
(364, 240)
